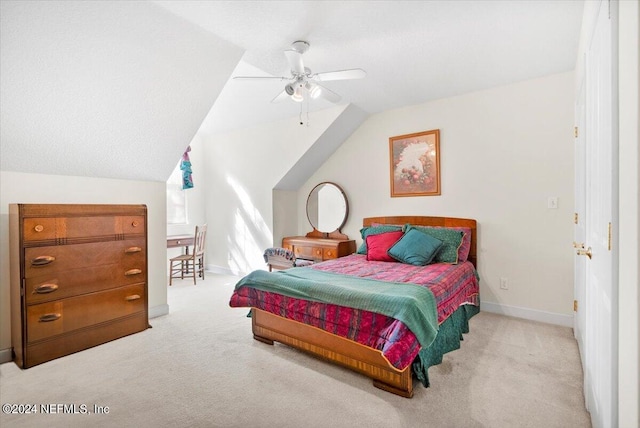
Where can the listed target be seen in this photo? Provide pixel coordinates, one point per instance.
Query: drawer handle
(133, 272)
(45, 288)
(50, 317)
(38, 228)
(132, 297)
(135, 223)
(133, 250)
(42, 260)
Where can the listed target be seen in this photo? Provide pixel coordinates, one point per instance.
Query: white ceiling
(412, 51)
(119, 89)
(104, 88)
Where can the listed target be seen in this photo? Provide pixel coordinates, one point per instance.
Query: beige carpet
(200, 367)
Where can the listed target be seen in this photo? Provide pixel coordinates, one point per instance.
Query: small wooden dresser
(78, 277)
(318, 249)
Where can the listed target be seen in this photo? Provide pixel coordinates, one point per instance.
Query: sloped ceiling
(412, 51)
(104, 89)
(119, 89)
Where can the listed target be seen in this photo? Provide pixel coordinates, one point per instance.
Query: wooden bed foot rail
(263, 340)
(393, 389)
(268, 328)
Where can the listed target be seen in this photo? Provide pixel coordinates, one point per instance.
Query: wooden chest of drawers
(318, 249)
(78, 277)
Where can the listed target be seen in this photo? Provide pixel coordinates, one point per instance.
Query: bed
(400, 317)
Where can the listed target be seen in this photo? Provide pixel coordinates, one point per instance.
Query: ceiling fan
(303, 84)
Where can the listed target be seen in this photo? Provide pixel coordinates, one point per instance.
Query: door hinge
(575, 131)
(575, 218)
(575, 306)
(609, 237)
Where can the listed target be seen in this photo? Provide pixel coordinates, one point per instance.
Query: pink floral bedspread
(452, 286)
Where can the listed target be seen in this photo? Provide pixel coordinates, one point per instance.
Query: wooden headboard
(432, 221)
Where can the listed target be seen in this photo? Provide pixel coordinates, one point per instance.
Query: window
(176, 198)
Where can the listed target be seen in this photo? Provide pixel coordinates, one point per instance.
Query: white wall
(242, 169)
(39, 188)
(504, 151)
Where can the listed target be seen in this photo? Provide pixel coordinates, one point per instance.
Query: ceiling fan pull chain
(300, 115)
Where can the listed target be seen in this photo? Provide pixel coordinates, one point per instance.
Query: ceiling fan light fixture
(289, 89)
(298, 95)
(314, 90)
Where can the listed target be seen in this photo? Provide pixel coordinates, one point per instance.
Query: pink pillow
(378, 245)
(465, 246)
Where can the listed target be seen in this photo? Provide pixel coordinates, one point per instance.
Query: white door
(601, 306)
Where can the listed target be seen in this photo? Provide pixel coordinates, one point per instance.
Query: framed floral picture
(415, 164)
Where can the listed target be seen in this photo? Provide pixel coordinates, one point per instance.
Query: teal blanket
(411, 304)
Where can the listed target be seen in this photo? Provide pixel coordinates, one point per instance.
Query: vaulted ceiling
(119, 89)
(412, 51)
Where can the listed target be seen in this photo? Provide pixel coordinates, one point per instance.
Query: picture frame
(415, 164)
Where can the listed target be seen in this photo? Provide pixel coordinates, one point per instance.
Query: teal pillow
(451, 241)
(415, 248)
(374, 230)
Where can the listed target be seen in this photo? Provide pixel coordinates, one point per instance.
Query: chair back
(199, 243)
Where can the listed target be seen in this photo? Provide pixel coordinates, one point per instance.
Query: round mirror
(327, 208)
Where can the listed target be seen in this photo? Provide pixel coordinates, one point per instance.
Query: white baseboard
(528, 314)
(158, 311)
(221, 270)
(6, 355)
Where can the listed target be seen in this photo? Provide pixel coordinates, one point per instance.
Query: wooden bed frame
(268, 327)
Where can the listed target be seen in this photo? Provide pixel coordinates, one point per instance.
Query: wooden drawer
(130, 224)
(329, 253)
(45, 350)
(39, 229)
(59, 285)
(40, 261)
(314, 253)
(318, 249)
(62, 316)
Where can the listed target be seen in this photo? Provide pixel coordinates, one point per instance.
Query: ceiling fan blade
(295, 61)
(354, 73)
(328, 94)
(280, 97)
(259, 78)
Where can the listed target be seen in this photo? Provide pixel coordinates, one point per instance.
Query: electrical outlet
(504, 285)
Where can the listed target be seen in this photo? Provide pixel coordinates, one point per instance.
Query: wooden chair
(190, 265)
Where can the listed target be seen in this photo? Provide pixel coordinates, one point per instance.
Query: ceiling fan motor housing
(300, 46)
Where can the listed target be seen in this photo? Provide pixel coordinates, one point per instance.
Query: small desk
(175, 241)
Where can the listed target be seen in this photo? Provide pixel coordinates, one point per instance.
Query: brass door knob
(586, 252)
